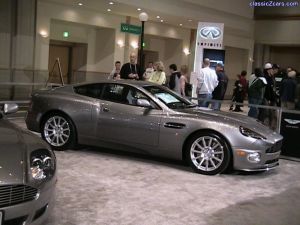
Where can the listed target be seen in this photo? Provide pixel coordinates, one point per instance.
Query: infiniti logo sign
(210, 32)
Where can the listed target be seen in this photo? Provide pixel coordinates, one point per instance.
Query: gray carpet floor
(98, 186)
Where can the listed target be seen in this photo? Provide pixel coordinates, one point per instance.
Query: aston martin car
(151, 119)
(27, 174)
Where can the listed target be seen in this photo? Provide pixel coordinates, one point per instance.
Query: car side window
(89, 90)
(114, 93)
(133, 94)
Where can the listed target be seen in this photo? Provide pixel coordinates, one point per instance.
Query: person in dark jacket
(131, 70)
(270, 96)
(241, 91)
(175, 75)
(288, 91)
(219, 92)
(256, 92)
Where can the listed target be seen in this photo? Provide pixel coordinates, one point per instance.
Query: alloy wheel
(207, 153)
(57, 131)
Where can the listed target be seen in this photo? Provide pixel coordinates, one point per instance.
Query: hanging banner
(210, 35)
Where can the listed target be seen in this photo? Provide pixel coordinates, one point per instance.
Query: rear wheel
(208, 153)
(58, 131)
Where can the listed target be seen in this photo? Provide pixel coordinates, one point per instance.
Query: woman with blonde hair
(159, 76)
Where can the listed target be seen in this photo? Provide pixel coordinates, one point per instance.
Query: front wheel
(208, 153)
(58, 131)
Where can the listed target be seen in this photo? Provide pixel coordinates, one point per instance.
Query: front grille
(275, 148)
(16, 194)
(272, 161)
(16, 221)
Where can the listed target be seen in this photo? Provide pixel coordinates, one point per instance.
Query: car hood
(14, 143)
(233, 119)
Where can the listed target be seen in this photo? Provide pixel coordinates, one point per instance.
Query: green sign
(66, 34)
(128, 28)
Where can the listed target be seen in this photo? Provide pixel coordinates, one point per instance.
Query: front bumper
(267, 161)
(34, 212)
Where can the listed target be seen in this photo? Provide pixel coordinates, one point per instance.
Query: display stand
(290, 130)
(57, 62)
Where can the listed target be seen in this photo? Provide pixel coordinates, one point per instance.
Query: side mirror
(144, 103)
(10, 108)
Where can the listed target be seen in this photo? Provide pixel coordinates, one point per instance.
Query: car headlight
(42, 164)
(250, 133)
(254, 157)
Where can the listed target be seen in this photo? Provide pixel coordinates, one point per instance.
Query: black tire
(58, 131)
(210, 160)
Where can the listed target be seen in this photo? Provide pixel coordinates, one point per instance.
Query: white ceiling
(174, 12)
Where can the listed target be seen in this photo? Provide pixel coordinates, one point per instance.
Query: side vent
(174, 125)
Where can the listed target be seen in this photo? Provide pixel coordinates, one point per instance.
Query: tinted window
(114, 93)
(132, 95)
(90, 90)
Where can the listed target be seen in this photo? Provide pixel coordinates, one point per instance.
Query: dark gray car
(27, 174)
(144, 117)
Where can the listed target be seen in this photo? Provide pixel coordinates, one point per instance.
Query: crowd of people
(270, 86)
(177, 81)
(273, 86)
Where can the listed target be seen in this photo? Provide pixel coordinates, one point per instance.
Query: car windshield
(169, 98)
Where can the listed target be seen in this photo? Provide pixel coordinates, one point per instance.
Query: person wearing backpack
(256, 92)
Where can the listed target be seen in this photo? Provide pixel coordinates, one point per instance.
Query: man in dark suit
(131, 70)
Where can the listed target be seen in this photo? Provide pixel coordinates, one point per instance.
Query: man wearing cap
(207, 81)
(219, 92)
(270, 95)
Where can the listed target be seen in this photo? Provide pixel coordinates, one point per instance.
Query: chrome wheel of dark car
(58, 131)
(208, 154)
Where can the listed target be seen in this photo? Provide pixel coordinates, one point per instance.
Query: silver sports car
(27, 174)
(144, 117)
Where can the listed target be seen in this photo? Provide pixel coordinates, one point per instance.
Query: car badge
(293, 122)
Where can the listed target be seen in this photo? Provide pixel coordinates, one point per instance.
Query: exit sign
(132, 29)
(66, 34)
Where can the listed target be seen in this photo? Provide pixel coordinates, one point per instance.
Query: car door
(121, 120)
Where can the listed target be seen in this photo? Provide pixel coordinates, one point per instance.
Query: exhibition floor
(100, 186)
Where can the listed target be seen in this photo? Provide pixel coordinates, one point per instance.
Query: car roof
(129, 82)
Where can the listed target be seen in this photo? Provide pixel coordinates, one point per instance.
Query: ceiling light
(190, 20)
(157, 17)
(139, 9)
(80, 4)
(162, 21)
(180, 24)
(111, 3)
(108, 10)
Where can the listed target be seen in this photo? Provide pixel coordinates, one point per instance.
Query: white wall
(236, 60)
(286, 56)
(284, 32)
(238, 32)
(49, 11)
